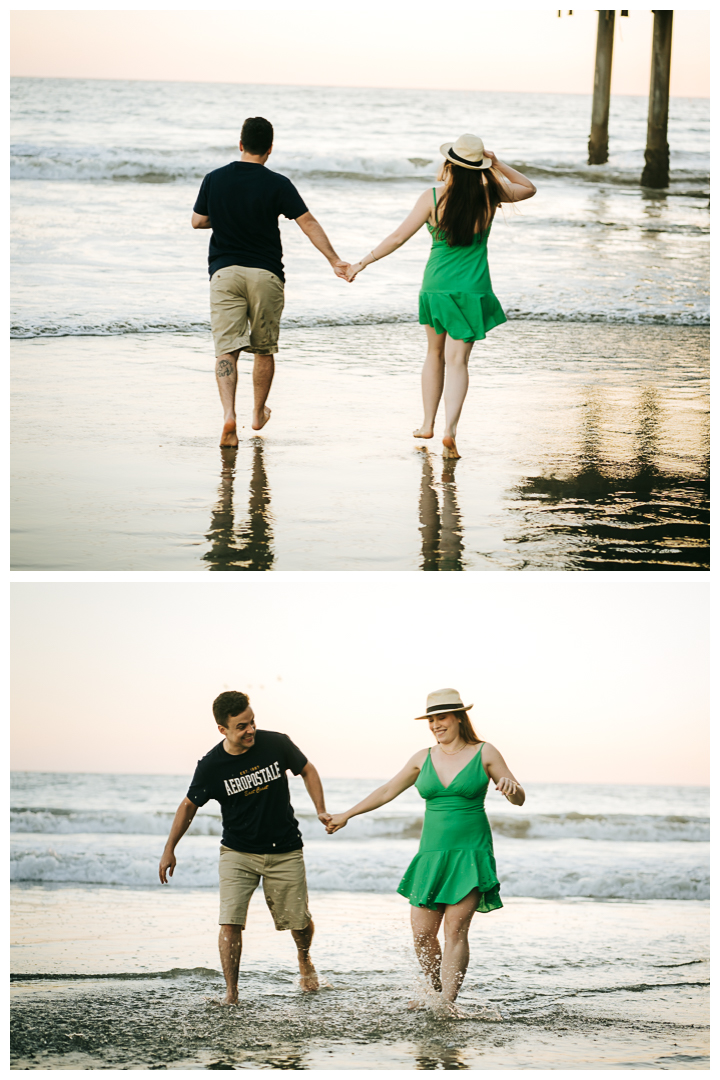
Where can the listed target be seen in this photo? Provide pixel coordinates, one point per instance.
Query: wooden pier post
(598, 143)
(656, 173)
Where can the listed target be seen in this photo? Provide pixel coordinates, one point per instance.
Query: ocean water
(105, 173)
(599, 958)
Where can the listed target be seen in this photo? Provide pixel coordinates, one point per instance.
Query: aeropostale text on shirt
(239, 784)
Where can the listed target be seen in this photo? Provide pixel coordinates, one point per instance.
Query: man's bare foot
(450, 450)
(224, 1003)
(258, 421)
(308, 975)
(419, 433)
(229, 434)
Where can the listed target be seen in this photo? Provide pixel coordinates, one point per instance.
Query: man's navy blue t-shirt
(253, 793)
(244, 201)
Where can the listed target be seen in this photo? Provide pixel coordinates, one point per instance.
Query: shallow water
(126, 979)
(585, 447)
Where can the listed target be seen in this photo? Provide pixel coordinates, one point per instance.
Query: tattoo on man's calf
(223, 368)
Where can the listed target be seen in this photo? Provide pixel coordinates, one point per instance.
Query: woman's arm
(494, 765)
(518, 186)
(385, 794)
(417, 217)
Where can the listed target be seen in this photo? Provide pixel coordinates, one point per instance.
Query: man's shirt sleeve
(199, 791)
(291, 203)
(201, 206)
(294, 757)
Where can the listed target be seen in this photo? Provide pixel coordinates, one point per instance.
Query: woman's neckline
(437, 774)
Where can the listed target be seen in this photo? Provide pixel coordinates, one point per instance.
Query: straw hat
(442, 701)
(467, 151)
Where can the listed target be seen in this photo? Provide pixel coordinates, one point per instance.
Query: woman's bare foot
(229, 434)
(259, 421)
(419, 433)
(450, 449)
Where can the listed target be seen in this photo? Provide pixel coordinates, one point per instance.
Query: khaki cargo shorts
(245, 308)
(284, 885)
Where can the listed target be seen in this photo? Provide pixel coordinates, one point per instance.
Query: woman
(457, 304)
(453, 874)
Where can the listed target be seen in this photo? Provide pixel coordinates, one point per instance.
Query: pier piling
(656, 173)
(598, 143)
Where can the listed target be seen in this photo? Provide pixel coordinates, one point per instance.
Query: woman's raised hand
(335, 822)
(505, 785)
(492, 155)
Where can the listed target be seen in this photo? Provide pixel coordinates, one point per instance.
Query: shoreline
(582, 449)
(577, 984)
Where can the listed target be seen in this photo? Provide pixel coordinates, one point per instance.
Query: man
(241, 203)
(245, 773)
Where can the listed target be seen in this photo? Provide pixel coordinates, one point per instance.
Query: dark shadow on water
(440, 530)
(247, 546)
(604, 516)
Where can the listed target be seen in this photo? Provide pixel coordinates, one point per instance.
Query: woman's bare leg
(425, 926)
(433, 376)
(457, 355)
(456, 955)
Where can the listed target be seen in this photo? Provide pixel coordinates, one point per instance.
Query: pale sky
(574, 677)
(373, 45)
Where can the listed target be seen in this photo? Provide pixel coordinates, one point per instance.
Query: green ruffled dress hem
(434, 878)
(464, 316)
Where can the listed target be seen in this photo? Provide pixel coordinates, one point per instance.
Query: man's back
(243, 201)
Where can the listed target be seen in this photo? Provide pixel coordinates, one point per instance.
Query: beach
(584, 437)
(598, 960)
(583, 449)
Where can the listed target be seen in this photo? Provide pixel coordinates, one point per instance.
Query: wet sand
(584, 447)
(127, 979)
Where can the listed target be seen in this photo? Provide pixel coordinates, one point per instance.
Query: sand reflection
(623, 504)
(440, 529)
(248, 546)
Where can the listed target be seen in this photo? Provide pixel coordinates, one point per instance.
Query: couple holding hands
(241, 203)
(452, 876)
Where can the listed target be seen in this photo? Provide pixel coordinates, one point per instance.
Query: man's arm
(200, 221)
(317, 236)
(313, 783)
(183, 819)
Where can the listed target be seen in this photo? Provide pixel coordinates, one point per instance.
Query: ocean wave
(172, 973)
(153, 165)
(53, 328)
(645, 828)
(550, 872)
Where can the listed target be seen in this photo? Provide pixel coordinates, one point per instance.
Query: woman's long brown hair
(468, 203)
(467, 731)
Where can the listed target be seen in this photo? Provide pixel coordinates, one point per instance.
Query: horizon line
(352, 86)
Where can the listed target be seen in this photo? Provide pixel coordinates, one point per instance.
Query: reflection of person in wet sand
(241, 203)
(457, 304)
(246, 774)
(442, 541)
(248, 546)
(453, 874)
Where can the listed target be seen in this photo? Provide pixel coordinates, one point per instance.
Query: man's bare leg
(230, 944)
(425, 926)
(263, 371)
(308, 974)
(433, 376)
(226, 375)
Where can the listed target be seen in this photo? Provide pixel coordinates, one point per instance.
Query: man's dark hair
(256, 135)
(230, 703)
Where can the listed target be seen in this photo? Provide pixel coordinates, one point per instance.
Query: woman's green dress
(456, 848)
(456, 295)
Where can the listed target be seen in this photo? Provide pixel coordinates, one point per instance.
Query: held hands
(345, 271)
(335, 822)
